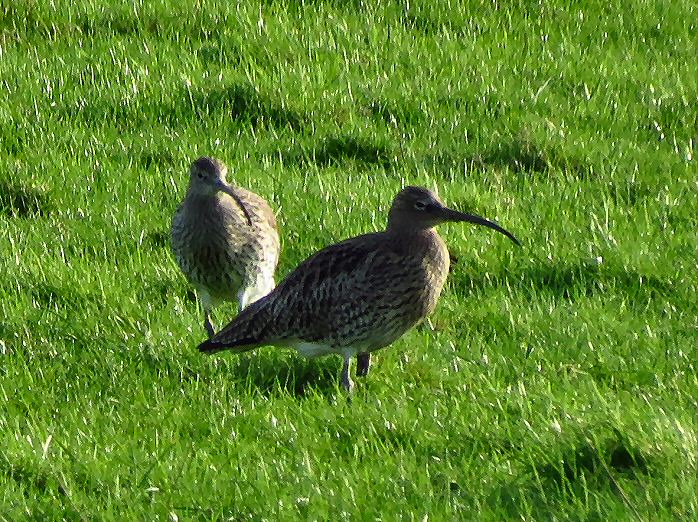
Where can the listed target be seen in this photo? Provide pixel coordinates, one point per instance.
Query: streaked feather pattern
(224, 238)
(358, 295)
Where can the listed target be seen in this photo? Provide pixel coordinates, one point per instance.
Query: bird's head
(418, 208)
(207, 178)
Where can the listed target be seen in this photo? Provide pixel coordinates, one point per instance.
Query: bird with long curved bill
(224, 239)
(359, 295)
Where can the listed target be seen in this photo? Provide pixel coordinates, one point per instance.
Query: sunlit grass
(554, 381)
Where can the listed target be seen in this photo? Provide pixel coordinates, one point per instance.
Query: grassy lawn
(554, 381)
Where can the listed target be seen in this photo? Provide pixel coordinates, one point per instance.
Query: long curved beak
(454, 215)
(223, 187)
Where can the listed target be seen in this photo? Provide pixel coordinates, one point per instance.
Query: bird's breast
(430, 275)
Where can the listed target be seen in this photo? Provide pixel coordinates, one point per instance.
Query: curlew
(225, 239)
(359, 295)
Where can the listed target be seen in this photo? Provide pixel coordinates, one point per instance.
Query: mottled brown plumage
(359, 295)
(225, 239)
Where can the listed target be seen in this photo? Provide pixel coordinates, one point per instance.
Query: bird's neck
(425, 248)
(407, 230)
(205, 206)
(202, 193)
(410, 240)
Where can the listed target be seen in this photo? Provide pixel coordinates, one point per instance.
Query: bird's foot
(363, 364)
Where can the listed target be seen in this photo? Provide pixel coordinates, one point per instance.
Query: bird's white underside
(251, 293)
(246, 296)
(317, 350)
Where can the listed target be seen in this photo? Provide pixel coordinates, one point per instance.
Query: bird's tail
(246, 332)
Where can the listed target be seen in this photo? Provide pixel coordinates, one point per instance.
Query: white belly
(317, 350)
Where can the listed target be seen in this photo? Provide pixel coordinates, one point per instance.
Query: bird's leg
(207, 323)
(346, 378)
(363, 364)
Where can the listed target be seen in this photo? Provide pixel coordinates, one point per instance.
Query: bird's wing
(176, 232)
(256, 205)
(326, 293)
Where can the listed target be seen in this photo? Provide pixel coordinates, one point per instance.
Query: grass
(558, 381)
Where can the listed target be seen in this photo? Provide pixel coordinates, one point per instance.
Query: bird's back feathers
(364, 292)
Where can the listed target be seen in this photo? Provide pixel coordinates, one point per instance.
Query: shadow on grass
(122, 23)
(34, 478)
(335, 151)
(162, 159)
(344, 5)
(629, 193)
(577, 468)
(297, 376)
(49, 296)
(34, 21)
(241, 102)
(244, 103)
(518, 154)
(24, 17)
(570, 281)
(435, 26)
(22, 202)
(265, 371)
(30, 479)
(159, 291)
(582, 457)
(13, 138)
(156, 240)
(397, 113)
(221, 52)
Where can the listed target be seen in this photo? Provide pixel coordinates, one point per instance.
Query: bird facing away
(359, 295)
(225, 239)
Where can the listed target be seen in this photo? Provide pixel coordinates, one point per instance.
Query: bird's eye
(200, 175)
(420, 205)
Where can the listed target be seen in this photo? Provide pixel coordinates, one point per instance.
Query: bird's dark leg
(347, 383)
(207, 323)
(363, 364)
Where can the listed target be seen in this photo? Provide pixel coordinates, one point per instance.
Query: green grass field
(556, 381)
